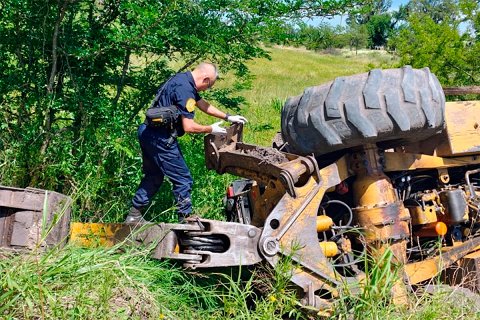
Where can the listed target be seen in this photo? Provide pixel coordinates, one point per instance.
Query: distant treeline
(440, 34)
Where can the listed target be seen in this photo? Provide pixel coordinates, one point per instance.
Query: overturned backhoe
(364, 164)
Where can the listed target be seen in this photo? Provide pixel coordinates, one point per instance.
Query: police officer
(160, 151)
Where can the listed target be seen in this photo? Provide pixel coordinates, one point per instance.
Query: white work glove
(237, 119)
(217, 129)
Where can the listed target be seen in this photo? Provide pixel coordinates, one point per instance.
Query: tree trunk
(121, 81)
(49, 113)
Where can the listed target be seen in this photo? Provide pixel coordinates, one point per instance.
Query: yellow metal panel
(463, 128)
(420, 216)
(398, 161)
(424, 270)
(98, 234)
(473, 255)
(421, 271)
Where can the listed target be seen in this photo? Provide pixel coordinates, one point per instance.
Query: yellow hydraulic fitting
(329, 248)
(324, 223)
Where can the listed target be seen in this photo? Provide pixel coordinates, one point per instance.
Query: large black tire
(382, 105)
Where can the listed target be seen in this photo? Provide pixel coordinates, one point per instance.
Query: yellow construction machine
(363, 164)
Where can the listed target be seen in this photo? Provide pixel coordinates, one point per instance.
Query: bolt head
(270, 247)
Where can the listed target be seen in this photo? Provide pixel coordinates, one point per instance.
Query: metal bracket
(443, 175)
(231, 244)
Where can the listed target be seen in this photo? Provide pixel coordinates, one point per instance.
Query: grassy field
(124, 283)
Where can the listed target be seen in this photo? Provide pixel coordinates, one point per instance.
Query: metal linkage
(290, 231)
(215, 244)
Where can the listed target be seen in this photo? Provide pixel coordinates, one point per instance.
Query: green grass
(125, 283)
(76, 283)
(98, 284)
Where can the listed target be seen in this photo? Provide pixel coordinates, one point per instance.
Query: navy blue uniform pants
(159, 160)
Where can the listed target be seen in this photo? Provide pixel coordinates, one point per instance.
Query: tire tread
(379, 106)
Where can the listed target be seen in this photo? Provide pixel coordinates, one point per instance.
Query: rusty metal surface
(377, 210)
(230, 155)
(6, 226)
(290, 230)
(383, 223)
(465, 272)
(33, 218)
(427, 269)
(21, 199)
(289, 224)
(455, 91)
(241, 245)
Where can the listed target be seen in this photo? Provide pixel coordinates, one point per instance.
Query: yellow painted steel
(427, 213)
(427, 269)
(329, 248)
(398, 161)
(340, 174)
(98, 234)
(463, 132)
(377, 209)
(324, 223)
(372, 190)
(423, 216)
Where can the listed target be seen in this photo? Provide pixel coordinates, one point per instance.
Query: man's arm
(190, 126)
(211, 110)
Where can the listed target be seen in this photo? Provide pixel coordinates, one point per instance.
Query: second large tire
(379, 106)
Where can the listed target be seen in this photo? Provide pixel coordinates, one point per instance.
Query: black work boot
(135, 216)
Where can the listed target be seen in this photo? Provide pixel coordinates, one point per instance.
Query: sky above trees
(397, 3)
(341, 19)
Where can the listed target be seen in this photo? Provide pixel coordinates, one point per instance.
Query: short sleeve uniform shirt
(180, 91)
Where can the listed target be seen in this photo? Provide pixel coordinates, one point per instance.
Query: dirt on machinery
(269, 155)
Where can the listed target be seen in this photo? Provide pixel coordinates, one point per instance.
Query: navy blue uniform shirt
(180, 91)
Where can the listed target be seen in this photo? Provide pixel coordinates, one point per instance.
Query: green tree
(368, 10)
(437, 40)
(317, 38)
(357, 35)
(438, 10)
(379, 28)
(378, 21)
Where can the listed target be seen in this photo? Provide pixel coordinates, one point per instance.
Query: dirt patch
(135, 302)
(268, 155)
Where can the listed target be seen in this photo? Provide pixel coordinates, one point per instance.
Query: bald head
(205, 75)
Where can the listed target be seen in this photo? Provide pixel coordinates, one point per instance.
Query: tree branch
(53, 72)
(121, 81)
